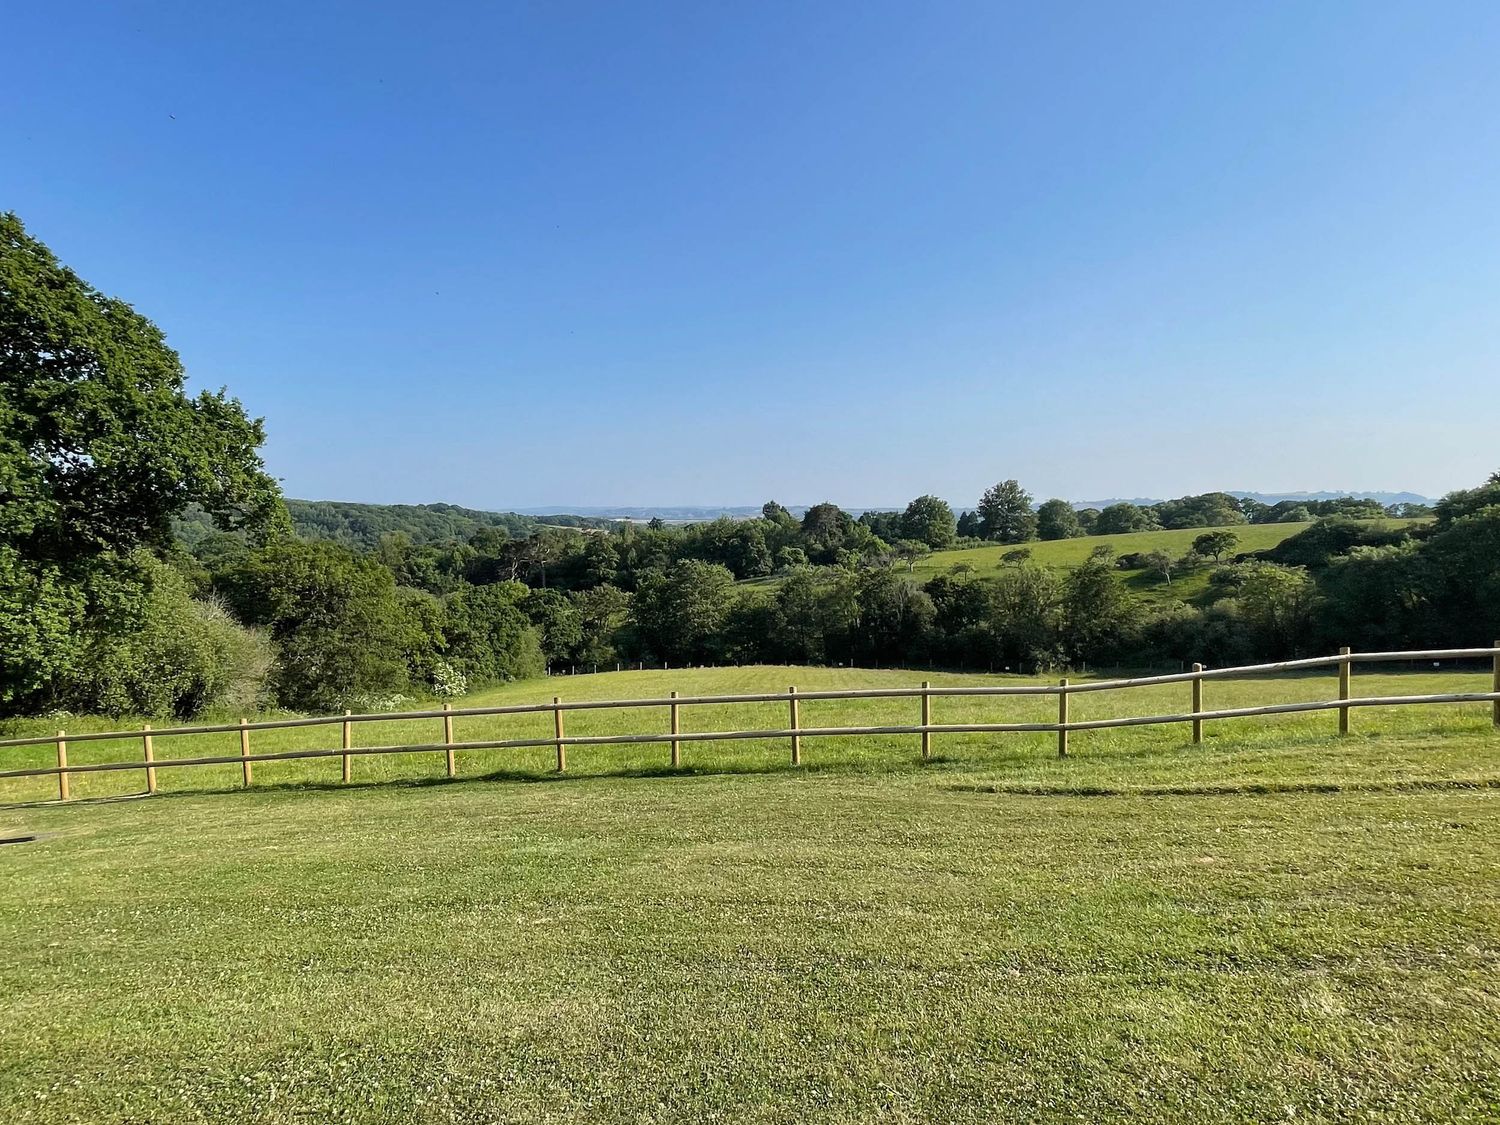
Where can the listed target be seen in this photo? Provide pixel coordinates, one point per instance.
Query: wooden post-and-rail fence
(795, 731)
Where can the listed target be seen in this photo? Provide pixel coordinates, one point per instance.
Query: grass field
(1278, 925)
(1064, 554)
(1073, 552)
(1068, 553)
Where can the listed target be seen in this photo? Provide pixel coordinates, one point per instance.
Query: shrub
(447, 682)
(177, 657)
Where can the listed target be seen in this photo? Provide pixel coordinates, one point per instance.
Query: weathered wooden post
(791, 694)
(62, 765)
(146, 749)
(926, 721)
(676, 745)
(245, 751)
(1062, 718)
(1495, 686)
(1197, 704)
(348, 742)
(557, 727)
(1344, 688)
(448, 738)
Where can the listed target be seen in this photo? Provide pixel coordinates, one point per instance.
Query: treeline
(364, 525)
(1007, 513)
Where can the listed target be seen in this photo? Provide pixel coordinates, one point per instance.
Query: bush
(180, 657)
(340, 630)
(447, 682)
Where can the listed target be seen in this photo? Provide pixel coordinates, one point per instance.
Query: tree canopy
(100, 443)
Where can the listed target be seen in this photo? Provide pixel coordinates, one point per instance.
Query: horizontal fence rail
(795, 731)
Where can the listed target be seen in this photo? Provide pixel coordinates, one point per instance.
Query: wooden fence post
(1344, 688)
(448, 738)
(348, 742)
(557, 727)
(1495, 686)
(245, 751)
(1062, 719)
(146, 749)
(62, 764)
(791, 694)
(1197, 705)
(676, 746)
(926, 721)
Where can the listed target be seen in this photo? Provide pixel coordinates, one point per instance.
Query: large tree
(1055, 519)
(1005, 513)
(100, 444)
(100, 447)
(929, 520)
(678, 615)
(339, 629)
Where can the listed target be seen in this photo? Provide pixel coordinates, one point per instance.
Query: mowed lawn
(1278, 925)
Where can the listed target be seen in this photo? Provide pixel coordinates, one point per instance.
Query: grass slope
(1068, 553)
(1280, 925)
(1074, 552)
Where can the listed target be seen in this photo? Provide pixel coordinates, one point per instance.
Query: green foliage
(1211, 509)
(678, 615)
(364, 525)
(100, 446)
(1329, 538)
(1160, 563)
(1098, 615)
(40, 616)
(909, 551)
(1123, 518)
(337, 622)
(1055, 519)
(602, 613)
(555, 618)
(826, 530)
(1215, 544)
(1277, 604)
(928, 520)
(894, 620)
(1005, 513)
(164, 654)
(488, 636)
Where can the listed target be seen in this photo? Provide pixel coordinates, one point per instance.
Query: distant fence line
(794, 731)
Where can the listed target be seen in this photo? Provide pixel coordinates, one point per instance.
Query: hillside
(1226, 933)
(1065, 553)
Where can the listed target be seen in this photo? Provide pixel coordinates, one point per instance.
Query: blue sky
(514, 255)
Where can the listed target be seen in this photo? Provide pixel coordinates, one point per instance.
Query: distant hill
(690, 513)
(1386, 498)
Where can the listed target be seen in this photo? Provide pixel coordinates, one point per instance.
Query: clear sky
(508, 255)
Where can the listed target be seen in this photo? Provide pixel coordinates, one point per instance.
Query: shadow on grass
(521, 777)
(1247, 789)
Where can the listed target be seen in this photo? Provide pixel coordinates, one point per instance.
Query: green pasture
(1060, 554)
(1065, 554)
(1279, 925)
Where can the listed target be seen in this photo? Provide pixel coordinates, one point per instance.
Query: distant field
(1277, 926)
(1065, 553)
(1074, 552)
